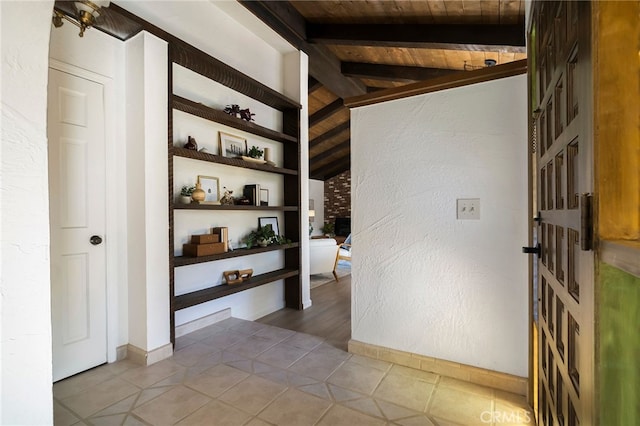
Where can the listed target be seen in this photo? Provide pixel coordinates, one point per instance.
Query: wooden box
(205, 238)
(197, 250)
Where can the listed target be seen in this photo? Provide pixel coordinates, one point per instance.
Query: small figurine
(233, 110)
(191, 144)
(227, 199)
(247, 115)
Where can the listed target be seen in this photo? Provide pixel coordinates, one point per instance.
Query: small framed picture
(231, 146)
(273, 221)
(264, 197)
(211, 187)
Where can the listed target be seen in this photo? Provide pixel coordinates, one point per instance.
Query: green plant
(264, 233)
(328, 228)
(255, 152)
(281, 239)
(187, 190)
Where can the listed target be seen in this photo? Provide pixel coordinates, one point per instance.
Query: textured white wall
(423, 281)
(25, 310)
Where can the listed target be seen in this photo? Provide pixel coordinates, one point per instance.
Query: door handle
(95, 240)
(538, 218)
(533, 250)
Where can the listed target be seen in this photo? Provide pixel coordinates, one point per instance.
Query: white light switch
(468, 208)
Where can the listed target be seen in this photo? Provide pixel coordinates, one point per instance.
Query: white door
(77, 216)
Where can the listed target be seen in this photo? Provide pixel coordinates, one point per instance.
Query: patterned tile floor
(239, 372)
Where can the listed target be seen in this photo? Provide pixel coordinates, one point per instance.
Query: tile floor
(239, 372)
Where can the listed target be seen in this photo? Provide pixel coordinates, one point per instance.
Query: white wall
(148, 220)
(316, 193)
(423, 281)
(25, 310)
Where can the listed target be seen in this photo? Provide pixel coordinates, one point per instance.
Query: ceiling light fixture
(487, 63)
(86, 14)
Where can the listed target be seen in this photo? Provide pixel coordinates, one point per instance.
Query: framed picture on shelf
(264, 197)
(231, 146)
(211, 187)
(273, 221)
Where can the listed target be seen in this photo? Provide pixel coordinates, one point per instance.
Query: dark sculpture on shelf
(227, 198)
(247, 115)
(235, 111)
(232, 110)
(191, 144)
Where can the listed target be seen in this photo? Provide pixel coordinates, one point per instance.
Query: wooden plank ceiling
(357, 46)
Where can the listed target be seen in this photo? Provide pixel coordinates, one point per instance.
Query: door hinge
(586, 222)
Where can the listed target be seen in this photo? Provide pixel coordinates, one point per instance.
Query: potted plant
(262, 236)
(185, 194)
(328, 229)
(255, 152)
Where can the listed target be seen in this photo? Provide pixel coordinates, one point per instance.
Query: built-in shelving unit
(197, 61)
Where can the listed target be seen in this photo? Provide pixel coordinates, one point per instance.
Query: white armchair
(322, 256)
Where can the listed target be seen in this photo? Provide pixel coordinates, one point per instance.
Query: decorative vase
(191, 144)
(185, 199)
(263, 242)
(198, 194)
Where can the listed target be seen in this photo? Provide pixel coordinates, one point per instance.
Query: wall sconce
(312, 215)
(86, 14)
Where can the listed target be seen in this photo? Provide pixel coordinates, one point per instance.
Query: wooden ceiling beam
(441, 83)
(480, 37)
(329, 152)
(332, 169)
(331, 133)
(324, 66)
(313, 85)
(392, 72)
(326, 112)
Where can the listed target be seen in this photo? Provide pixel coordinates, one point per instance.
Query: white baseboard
(142, 357)
(121, 352)
(203, 322)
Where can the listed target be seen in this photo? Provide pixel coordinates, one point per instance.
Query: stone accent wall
(337, 197)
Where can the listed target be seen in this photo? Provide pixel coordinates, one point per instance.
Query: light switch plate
(468, 208)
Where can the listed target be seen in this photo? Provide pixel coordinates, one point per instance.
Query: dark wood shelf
(186, 260)
(196, 206)
(236, 162)
(211, 114)
(204, 64)
(207, 294)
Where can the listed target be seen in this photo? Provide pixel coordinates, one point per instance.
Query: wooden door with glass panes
(561, 95)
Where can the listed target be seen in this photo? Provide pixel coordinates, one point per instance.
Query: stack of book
(207, 244)
(252, 193)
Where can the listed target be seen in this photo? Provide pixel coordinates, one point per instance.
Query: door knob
(538, 218)
(95, 240)
(533, 250)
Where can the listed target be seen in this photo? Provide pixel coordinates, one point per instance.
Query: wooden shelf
(207, 294)
(204, 64)
(211, 114)
(186, 260)
(196, 206)
(193, 59)
(236, 162)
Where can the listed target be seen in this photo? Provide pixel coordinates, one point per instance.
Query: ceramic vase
(198, 194)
